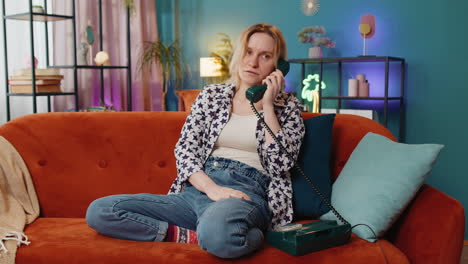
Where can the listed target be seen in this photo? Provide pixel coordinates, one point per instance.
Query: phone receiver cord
(298, 168)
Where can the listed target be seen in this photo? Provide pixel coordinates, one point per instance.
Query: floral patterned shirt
(210, 113)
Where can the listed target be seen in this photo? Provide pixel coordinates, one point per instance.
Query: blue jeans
(228, 228)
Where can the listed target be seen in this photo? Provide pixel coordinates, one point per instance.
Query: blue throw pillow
(379, 180)
(314, 159)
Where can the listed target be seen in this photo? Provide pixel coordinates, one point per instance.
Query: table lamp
(210, 67)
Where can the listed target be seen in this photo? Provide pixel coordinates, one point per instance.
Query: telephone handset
(298, 239)
(255, 93)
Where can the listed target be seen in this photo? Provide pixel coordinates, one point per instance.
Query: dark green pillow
(314, 159)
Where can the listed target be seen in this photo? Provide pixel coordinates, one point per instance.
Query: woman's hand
(216, 193)
(274, 83)
(205, 184)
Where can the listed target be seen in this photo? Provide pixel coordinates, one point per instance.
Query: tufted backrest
(75, 158)
(348, 130)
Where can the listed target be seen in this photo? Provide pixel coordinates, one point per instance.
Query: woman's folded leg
(141, 217)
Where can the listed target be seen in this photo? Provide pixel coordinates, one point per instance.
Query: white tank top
(237, 141)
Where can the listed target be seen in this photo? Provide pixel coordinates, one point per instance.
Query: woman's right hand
(216, 193)
(205, 184)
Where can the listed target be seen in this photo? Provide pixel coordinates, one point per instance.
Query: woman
(233, 181)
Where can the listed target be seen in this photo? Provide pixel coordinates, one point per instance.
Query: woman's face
(258, 61)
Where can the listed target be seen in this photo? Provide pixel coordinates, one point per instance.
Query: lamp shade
(210, 67)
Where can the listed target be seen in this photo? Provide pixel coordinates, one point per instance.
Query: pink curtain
(146, 85)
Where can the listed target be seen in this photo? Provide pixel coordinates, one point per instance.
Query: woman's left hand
(274, 83)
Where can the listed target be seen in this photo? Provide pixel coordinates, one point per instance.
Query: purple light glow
(375, 75)
(288, 85)
(372, 104)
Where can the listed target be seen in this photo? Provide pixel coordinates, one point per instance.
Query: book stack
(47, 81)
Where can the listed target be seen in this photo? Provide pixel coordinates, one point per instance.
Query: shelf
(38, 17)
(348, 59)
(383, 99)
(38, 94)
(88, 67)
(32, 15)
(360, 98)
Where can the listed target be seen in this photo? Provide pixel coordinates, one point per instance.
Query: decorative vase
(315, 52)
(82, 55)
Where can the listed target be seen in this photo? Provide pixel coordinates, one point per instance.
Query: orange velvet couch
(75, 158)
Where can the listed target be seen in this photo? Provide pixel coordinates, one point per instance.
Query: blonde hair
(279, 51)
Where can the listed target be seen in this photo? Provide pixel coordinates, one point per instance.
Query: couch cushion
(70, 240)
(379, 180)
(314, 160)
(348, 130)
(84, 156)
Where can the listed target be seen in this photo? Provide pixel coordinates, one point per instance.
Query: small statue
(83, 54)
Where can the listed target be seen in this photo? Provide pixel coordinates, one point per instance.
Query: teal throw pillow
(314, 159)
(379, 180)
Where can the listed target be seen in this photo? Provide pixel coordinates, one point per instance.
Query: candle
(361, 77)
(353, 87)
(364, 89)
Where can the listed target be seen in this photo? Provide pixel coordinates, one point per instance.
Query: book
(38, 82)
(39, 89)
(38, 77)
(47, 71)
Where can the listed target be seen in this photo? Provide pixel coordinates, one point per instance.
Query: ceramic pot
(315, 52)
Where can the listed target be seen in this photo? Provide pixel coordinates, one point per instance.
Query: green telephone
(297, 239)
(255, 93)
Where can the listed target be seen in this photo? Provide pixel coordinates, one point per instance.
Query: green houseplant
(130, 5)
(223, 54)
(169, 58)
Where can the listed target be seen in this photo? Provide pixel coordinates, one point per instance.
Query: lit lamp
(210, 67)
(367, 29)
(310, 93)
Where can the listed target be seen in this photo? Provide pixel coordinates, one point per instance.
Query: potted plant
(224, 55)
(130, 5)
(38, 9)
(314, 36)
(169, 58)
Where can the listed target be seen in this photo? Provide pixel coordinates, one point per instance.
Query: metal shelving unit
(46, 17)
(373, 59)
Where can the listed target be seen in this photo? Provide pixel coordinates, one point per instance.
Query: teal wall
(431, 35)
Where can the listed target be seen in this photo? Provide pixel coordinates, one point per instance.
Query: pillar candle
(361, 77)
(363, 89)
(353, 87)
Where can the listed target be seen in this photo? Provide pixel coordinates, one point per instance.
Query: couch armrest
(432, 228)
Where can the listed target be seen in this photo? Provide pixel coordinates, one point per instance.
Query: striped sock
(181, 235)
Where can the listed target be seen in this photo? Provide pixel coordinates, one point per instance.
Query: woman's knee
(228, 233)
(226, 243)
(98, 211)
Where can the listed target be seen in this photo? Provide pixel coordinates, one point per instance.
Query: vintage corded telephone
(255, 93)
(297, 239)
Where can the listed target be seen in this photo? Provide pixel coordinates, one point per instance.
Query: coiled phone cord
(298, 168)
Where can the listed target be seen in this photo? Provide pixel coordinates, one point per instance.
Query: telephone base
(310, 237)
